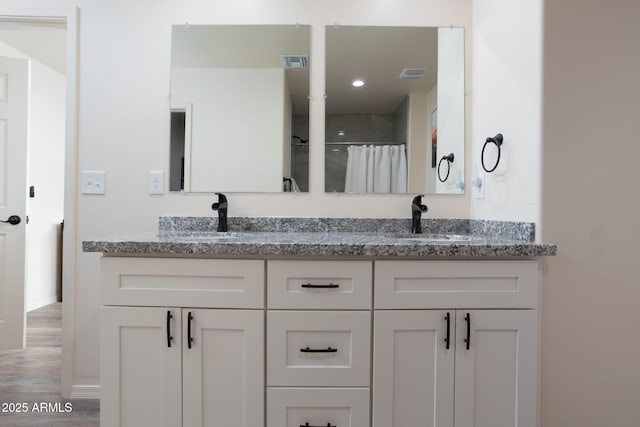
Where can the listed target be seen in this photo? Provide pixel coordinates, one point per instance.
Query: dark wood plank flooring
(30, 379)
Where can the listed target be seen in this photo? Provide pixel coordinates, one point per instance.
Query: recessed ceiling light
(340, 133)
(357, 83)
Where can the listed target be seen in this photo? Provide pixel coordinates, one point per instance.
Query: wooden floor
(30, 379)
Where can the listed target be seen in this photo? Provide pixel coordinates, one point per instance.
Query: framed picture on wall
(434, 137)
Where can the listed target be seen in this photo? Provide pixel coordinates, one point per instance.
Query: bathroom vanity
(318, 323)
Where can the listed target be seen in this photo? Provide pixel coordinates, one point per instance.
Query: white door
(413, 370)
(13, 189)
(496, 377)
(140, 375)
(223, 368)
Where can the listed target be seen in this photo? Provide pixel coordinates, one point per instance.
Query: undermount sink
(224, 236)
(209, 236)
(229, 235)
(426, 238)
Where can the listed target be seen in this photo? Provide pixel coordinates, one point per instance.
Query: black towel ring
(495, 140)
(449, 160)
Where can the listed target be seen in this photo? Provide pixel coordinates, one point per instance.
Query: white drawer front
(183, 282)
(332, 285)
(456, 284)
(336, 407)
(330, 348)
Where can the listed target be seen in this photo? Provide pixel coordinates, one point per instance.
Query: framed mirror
(394, 114)
(239, 108)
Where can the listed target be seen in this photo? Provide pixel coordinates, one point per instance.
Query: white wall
(590, 208)
(45, 171)
(506, 98)
(418, 141)
(287, 124)
(243, 110)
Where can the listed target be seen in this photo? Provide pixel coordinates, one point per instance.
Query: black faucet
(416, 213)
(221, 207)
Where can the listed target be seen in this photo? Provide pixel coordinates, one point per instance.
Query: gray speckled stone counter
(315, 237)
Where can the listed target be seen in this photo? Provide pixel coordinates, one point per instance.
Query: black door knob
(13, 220)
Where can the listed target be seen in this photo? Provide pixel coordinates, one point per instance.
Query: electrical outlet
(479, 184)
(156, 182)
(93, 182)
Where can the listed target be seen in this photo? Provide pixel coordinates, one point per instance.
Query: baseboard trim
(41, 303)
(85, 392)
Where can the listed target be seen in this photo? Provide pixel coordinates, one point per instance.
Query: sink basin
(208, 236)
(224, 236)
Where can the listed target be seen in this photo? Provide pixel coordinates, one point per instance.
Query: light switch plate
(93, 182)
(156, 182)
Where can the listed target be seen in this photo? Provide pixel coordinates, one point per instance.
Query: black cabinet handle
(169, 337)
(327, 286)
(189, 338)
(447, 339)
(318, 350)
(13, 220)
(467, 340)
(308, 425)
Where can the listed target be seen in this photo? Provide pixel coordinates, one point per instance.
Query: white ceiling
(244, 46)
(377, 55)
(374, 54)
(43, 40)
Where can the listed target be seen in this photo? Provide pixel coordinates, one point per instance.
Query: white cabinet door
(496, 377)
(140, 374)
(223, 383)
(413, 375)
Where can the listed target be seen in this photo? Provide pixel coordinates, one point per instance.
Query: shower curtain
(376, 169)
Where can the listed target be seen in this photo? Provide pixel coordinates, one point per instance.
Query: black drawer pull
(169, 337)
(467, 340)
(327, 286)
(189, 338)
(318, 350)
(447, 339)
(307, 425)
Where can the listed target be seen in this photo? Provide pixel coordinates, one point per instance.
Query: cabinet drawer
(451, 284)
(331, 285)
(330, 348)
(336, 407)
(183, 282)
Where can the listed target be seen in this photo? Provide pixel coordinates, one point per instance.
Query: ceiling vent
(412, 73)
(295, 61)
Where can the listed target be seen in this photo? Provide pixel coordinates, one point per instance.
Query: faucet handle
(222, 202)
(417, 203)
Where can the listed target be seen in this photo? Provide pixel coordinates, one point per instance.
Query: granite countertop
(329, 237)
